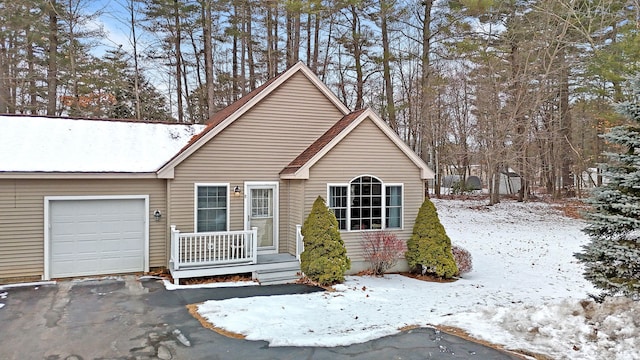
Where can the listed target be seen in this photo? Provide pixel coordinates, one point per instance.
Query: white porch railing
(213, 248)
(299, 241)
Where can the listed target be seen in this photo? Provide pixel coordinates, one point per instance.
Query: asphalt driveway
(127, 318)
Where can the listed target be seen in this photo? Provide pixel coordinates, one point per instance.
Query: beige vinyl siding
(292, 205)
(22, 218)
(367, 151)
(256, 147)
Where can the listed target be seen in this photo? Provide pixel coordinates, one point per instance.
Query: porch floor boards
(265, 262)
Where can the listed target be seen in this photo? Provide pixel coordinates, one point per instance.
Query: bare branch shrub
(382, 250)
(463, 259)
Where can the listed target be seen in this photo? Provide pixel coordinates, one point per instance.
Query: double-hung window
(212, 207)
(366, 203)
(338, 202)
(393, 206)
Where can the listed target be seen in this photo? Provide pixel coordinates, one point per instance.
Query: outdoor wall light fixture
(236, 191)
(157, 214)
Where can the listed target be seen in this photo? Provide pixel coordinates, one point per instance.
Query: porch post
(175, 255)
(254, 244)
(299, 243)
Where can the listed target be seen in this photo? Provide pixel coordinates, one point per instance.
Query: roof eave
(75, 175)
(300, 174)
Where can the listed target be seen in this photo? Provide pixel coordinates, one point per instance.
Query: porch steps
(286, 274)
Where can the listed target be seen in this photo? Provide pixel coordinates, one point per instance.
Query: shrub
(324, 258)
(463, 259)
(460, 188)
(429, 248)
(382, 250)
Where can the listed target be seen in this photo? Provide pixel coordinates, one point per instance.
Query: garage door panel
(92, 237)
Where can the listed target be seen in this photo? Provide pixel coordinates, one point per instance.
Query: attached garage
(96, 235)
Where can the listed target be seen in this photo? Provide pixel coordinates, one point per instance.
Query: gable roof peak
(299, 167)
(225, 117)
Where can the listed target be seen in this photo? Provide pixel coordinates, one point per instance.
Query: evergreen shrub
(612, 257)
(429, 248)
(324, 259)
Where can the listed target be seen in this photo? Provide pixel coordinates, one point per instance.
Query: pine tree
(429, 248)
(612, 257)
(324, 258)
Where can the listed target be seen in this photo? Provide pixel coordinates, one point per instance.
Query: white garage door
(92, 237)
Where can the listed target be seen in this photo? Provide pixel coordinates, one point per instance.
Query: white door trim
(47, 225)
(276, 210)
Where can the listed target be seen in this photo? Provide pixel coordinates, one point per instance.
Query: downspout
(288, 215)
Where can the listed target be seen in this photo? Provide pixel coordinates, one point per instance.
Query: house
(90, 197)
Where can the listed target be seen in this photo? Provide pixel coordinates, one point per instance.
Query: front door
(262, 213)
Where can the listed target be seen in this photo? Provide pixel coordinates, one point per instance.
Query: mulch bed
(427, 277)
(217, 279)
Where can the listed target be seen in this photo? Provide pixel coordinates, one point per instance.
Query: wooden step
(282, 275)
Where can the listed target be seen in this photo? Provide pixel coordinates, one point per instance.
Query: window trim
(383, 206)
(195, 202)
(348, 208)
(401, 185)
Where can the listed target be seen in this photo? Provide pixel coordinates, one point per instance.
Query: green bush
(324, 258)
(429, 248)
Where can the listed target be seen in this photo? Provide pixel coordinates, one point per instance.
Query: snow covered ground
(526, 292)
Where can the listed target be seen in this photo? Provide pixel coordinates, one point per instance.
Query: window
(366, 203)
(211, 207)
(261, 201)
(338, 203)
(393, 210)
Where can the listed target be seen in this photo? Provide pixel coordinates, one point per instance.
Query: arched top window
(366, 203)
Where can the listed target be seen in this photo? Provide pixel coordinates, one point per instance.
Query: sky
(526, 292)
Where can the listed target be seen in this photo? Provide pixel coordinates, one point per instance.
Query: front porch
(230, 252)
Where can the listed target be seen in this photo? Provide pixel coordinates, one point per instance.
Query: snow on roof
(40, 144)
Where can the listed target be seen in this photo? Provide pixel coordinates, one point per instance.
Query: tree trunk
(52, 61)
(386, 64)
(136, 67)
(293, 32)
(234, 62)
(272, 38)
(357, 55)
(249, 36)
(308, 28)
(208, 57)
(177, 46)
(565, 130)
(197, 111)
(243, 50)
(33, 95)
(495, 187)
(428, 151)
(4, 79)
(316, 42)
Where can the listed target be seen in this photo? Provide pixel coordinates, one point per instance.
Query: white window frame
(195, 202)
(348, 209)
(401, 185)
(383, 206)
